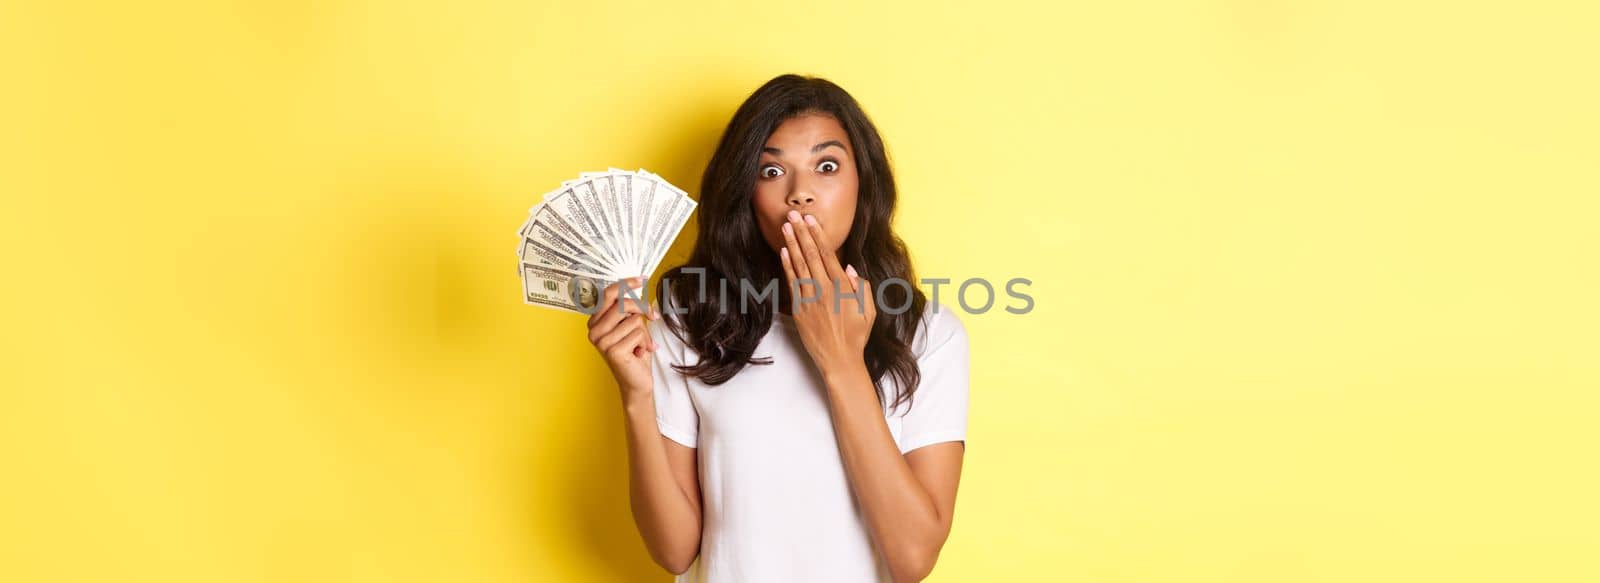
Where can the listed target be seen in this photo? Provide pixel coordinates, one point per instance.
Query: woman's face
(808, 165)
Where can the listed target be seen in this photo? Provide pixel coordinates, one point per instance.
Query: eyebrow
(814, 149)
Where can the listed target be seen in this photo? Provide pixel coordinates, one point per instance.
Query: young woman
(815, 433)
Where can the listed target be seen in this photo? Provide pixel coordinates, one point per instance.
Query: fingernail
(784, 250)
(811, 220)
(850, 269)
(787, 229)
(794, 215)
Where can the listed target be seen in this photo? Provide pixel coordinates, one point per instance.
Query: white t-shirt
(777, 503)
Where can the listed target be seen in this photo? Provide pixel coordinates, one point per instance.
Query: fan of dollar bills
(599, 228)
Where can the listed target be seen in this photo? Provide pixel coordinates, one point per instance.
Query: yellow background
(1315, 281)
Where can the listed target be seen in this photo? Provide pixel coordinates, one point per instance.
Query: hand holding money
(619, 332)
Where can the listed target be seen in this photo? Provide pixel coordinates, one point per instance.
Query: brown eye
(771, 171)
(828, 167)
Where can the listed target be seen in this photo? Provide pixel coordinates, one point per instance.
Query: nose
(800, 198)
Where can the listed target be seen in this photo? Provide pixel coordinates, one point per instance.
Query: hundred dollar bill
(675, 225)
(553, 288)
(622, 188)
(647, 202)
(667, 221)
(567, 204)
(664, 203)
(589, 197)
(542, 255)
(605, 189)
(548, 237)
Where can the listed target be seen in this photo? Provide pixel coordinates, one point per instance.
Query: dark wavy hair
(730, 249)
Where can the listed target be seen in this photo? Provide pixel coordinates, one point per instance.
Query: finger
(850, 276)
(616, 335)
(610, 297)
(606, 297)
(631, 299)
(830, 260)
(811, 254)
(867, 297)
(629, 305)
(629, 342)
(788, 266)
(618, 306)
(788, 270)
(607, 323)
(645, 345)
(622, 330)
(798, 264)
(791, 242)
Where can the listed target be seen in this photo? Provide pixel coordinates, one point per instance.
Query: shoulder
(942, 360)
(940, 326)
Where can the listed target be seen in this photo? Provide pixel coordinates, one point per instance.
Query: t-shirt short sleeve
(938, 411)
(675, 413)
